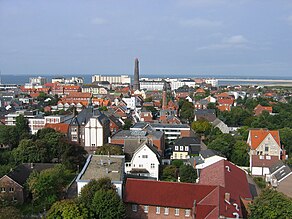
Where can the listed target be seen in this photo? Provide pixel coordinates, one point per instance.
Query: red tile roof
(225, 101)
(170, 194)
(259, 109)
(262, 161)
(256, 137)
(59, 127)
(232, 180)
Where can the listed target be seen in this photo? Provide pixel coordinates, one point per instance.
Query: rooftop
(99, 166)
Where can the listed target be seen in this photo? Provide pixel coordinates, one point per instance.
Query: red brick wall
(7, 183)
(118, 141)
(152, 213)
(185, 133)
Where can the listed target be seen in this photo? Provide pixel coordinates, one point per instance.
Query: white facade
(150, 84)
(131, 102)
(38, 80)
(175, 83)
(212, 81)
(123, 79)
(209, 161)
(93, 132)
(36, 124)
(260, 171)
(144, 158)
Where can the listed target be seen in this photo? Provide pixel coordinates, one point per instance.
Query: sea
(223, 80)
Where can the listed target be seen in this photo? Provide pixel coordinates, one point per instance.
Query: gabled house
(205, 114)
(90, 128)
(265, 150)
(144, 162)
(186, 147)
(217, 123)
(259, 109)
(12, 185)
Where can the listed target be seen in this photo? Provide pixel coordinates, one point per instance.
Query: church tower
(136, 85)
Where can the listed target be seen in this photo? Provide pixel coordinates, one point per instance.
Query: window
(186, 148)
(176, 212)
(146, 207)
(187, 212)
(266, 148)
(181, 156)
(140, 165)
(166, 211)
(144, 156)
(3, 189)
(11, 189)
(181, 148)
(134, 207)
(157, 210)
(152, 165)
(176, 148)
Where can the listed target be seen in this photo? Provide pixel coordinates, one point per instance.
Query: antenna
(0, 77)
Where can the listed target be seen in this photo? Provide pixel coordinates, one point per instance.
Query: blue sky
(173, 37)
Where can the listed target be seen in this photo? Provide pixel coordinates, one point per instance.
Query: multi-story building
(10, 119)
(112, 79)
(90, 128)
(212, 81)
(176, 83)
(153, 84)
(94, 89)
(38, 80)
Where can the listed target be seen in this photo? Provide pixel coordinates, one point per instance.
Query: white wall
(93, 133)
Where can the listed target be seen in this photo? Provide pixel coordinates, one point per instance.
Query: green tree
(109, 149)
(177, 163)
(128, 124)
(201, 127)
(223, 143)
(271, 205)
(9, 136)
(22, 127)
(240, 154)
(88, 191)
(48, 186)
(187, 111)
(169, 173)
(108, 205)
(68, 209)
(286, 138)
(187, 174)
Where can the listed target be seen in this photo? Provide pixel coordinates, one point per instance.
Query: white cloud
(98, 21)
(236, 41)
(199, 22)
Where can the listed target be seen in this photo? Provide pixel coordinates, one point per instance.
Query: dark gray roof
(276, 166)
(205, 111)
(166, 125)
(116, 121)
(21, 173)
(210, 153)
(187, 141)
(139, 125)
(283, 172)
(83, 117)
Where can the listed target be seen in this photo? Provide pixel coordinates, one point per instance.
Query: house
(201, 104)
(225, 104)
(280, 177)
(205, 114)
(215, 196)
(259, 109)
(12, 185)
(115, 124)
(186, 147)
(100, 166)
(265, 150)
(145, 161)
(217, 123)
(90, 128)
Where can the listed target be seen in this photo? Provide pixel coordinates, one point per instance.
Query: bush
(260, 182)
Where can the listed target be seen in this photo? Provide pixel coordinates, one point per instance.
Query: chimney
(109, 161)
(106, 170)
(101, 162)
(227, 197)
(31, 165)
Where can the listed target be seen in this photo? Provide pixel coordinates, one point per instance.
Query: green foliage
(260, 182)
(128, 124)
(148, 99)
(286, 138)
(68, 209)
(177, 163)
(240, 154)
(236, 117)
(100, 197)
(187, 111)
(9, 136)
(102, 108)
(108, 205)
(9, 212)
(187, 174)
(109, 149)
(88, 191)
(201, 127)
(169, 173)
(48, 186)
(223, 143)
(22, 128)
(271, 205)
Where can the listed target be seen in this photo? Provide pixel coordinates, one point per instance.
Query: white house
(145, 162)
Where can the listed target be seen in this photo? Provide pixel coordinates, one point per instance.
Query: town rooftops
(256, 136)
(169, 126)
(210, 153)
(99, 166)
(263, 160)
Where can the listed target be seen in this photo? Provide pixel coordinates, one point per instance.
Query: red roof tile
(59, 127)
(170, 194)
(256, 137)
(262, 161)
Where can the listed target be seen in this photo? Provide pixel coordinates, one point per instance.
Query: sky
(169, 37)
